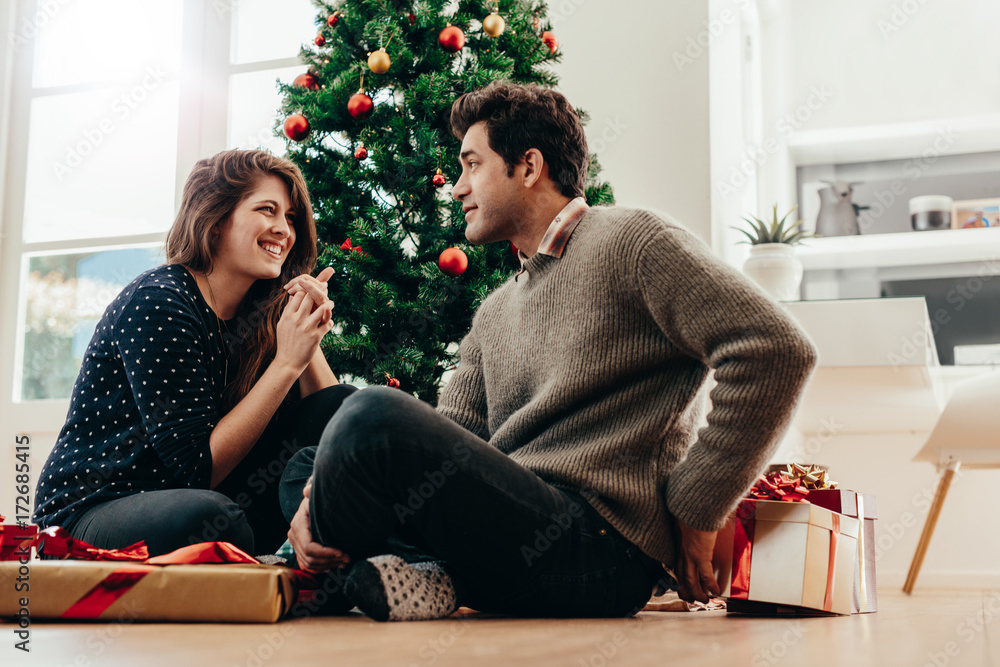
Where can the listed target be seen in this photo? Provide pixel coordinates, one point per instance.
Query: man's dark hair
(519, 118)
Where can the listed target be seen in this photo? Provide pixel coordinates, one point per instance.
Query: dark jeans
(390, 470)
(243, 509)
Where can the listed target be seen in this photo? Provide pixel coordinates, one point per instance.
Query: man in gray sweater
(564, 463)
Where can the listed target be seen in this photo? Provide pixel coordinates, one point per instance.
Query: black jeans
(243, 509)
(392, 474)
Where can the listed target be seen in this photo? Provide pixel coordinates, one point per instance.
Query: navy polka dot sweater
(147, 398)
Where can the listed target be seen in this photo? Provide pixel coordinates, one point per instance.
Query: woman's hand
(316, 287)
(312, 556)
(317, 374)
(300, 330)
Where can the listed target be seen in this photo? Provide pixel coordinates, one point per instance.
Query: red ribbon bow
(777, 486)
(346, 245)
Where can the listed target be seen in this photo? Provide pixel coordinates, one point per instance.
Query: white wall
(893, 61)
(649, 116)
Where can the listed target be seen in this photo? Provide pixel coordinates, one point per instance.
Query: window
(95, 145)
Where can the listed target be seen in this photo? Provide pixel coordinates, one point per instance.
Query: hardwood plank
(937, 628)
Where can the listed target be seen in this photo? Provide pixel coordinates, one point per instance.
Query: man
(563, 464)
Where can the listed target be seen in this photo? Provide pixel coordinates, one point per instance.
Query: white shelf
(872, 143)
(945, 246)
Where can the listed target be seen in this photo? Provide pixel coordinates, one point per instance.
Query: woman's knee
(328, 400)
(209, 516)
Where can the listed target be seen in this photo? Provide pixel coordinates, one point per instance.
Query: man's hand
(312, 556)
(694, 565)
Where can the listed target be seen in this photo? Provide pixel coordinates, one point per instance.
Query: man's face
(491, 199)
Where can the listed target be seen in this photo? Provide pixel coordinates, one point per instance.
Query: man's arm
(762, 361)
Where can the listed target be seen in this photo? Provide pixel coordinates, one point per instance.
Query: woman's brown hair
(216, 186)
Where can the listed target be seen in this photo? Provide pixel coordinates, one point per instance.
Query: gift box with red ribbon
(862, 506)
(788, 553)
(209, 582)
(14, 538)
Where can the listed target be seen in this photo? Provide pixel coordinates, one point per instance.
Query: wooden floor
(936, 628)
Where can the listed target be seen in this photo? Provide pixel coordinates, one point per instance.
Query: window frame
(203, 117)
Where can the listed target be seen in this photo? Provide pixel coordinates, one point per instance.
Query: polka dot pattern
(145, 402)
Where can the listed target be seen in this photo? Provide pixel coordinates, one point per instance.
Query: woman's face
(260, 233)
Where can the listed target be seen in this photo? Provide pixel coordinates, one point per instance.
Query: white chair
(967, 434)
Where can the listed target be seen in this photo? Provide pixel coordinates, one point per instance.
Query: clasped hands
(312, 556)
(315, 288)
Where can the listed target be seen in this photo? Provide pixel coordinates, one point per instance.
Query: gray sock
(387, 588)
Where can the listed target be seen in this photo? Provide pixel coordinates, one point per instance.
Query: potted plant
(772, 263)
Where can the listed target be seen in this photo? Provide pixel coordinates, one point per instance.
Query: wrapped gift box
(109, 590)
(861, 506)
(788, 553)
(14, 540)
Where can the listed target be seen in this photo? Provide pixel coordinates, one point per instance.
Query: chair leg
(932, 518)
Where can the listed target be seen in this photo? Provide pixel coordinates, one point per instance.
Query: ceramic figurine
(838, 215)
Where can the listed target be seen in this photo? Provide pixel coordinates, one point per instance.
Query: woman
(204, 376)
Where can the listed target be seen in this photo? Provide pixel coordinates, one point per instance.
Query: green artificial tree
(368, 124)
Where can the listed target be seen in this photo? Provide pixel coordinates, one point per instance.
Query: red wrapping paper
(742, 549)
(13, 538)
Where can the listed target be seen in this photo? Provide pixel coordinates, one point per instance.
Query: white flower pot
(775, 267)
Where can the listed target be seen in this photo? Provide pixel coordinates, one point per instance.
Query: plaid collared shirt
(557, 235)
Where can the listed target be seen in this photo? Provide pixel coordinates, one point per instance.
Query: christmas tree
(368, 124)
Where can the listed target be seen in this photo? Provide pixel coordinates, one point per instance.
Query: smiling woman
(162, 442)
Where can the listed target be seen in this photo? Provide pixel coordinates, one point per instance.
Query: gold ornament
(494, 25)
(379, 61)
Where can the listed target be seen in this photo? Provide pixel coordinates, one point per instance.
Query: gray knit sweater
(588, 370)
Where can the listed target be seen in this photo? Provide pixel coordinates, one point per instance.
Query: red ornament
(439, 179)
(320, 40)
(451, 39)
(360, 106)
(453, 262)
(333, 18)
(296, 127)
(392, 382)
(549, 39)
(413, 18)
(360, 153)
(513, 248)
(306, 80)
